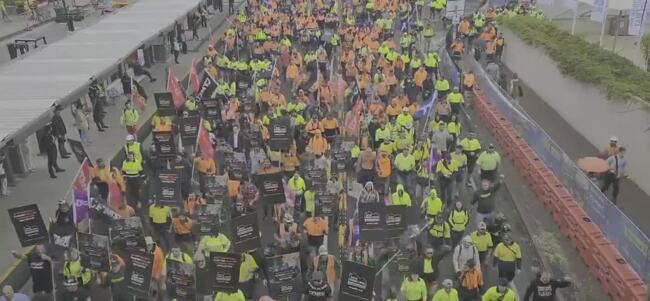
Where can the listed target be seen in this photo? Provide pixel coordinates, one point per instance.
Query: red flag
(353, 119)
(174, 88)
(203, 140)
(194, 81)
(136, 98)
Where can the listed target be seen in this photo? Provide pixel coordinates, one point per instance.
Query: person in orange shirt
(290, 162)
(191, 201)
(325, 93)
(419, 77)
(329, 127)
(124, 210)
(457, 48)
(316, 229)
(393, 109)
(182, 228)
(313, 125)
(383, 172)
(325, 260)
(463, 27)
(157, 275)
(101, 176)
(292, 75)
(206, 167)
(233, 187)
(468, 81)
(490, 49)
(317, 144)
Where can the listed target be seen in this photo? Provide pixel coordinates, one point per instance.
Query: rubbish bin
(13, 53)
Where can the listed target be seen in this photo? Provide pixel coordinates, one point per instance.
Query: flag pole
(603, 21)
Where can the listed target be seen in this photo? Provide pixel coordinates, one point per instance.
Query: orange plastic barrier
(604, 261)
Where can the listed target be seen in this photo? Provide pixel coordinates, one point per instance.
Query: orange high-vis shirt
(102, 174)
(292, 71)
(419, 77)
(329, 124)
(233, 188)
(383, 166)
(317, 145)
(469, 80)
(181, 227)
(158, 261)
(315, 228)
(463, 27)
(205, 165)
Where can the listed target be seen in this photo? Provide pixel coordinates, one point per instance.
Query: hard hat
(322, 250)
(130, 137)
(447, 282)
(613, 139)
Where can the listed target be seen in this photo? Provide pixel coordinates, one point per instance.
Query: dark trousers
(146, 73)
(162, 231)
(231, 7)
(471, 162)
(176, 53)
(445, 189)
(61, 141)
(52, 166)
(488, 175)
(217, 4)
(133, 190)
(611, 180)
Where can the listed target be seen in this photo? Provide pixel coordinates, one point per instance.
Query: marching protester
(324, 122)
(543, 287)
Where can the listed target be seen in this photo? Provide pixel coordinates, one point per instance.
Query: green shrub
(617, 76)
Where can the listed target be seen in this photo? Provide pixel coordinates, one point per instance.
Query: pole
(604, 23)
(618, 23)
(575, 17)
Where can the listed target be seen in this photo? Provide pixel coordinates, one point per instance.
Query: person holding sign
(317, 289)
(133, 173)
(215, 242)
(316, 229)
(247, 270)
(160, 217)
(72, 268)
(206, 167)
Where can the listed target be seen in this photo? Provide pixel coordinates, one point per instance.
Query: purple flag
(80, 201)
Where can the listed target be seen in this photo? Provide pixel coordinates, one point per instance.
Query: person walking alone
(218, 4)
(97, 97)
(50, 149)
(231, 7)
(59, 131)
(617, 168)
(81, 123)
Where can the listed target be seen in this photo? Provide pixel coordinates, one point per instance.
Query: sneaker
(53, 176)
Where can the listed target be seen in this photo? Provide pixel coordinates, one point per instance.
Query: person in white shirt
(464, 252)
(617, 168)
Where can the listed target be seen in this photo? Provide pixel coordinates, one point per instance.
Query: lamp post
(68, 20)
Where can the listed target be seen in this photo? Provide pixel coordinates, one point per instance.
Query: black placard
(189, 129)
(169, 190)
(208, 85)
(63, 236)
(271, 188)
(315, 177)
(395, 220)
(127, 233)
(137, 275)
(248, 106)
(357, 282)
(211, 110)
(206, 216)
(29, 225)
(236, 163)
(216, 185)
(164, 142)
(280, 134)
(226, 271)
(372, 221)
(93, 250)
(165, 104)
(341, 156)
(180, 280)
(326, 202)
(285, 275)
(79, 151)
(98, 209)
(245, 233)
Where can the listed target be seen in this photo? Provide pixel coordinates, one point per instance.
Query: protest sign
(326, 202)
(270, 187)
(63, 236)
(189, 129)
(169, 188)
(165, 104)
(211, 110)
(207, 87)
(98, 210)
(29, 225)
(285, 276)
(216, 185)
(93, 250)
(236, 164)
(341, 156)
(280, 134)
(137, 275)
(395, 220)
(79, 151)
(226, 271)
(372, 221)
(164, 142)
(127, 233)
(357, 282)
(206, 216)
(315, 176)
(180, 280)
(245, 233)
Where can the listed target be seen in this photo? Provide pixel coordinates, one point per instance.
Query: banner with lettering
(165, 104)
(180, 280)
(285, 275)
(271, 188)
(372, 221)
(245, 233)
(226, 271)
(137, 275)
(357, 282)
(93, 250)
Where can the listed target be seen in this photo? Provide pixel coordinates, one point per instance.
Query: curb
(13, 34)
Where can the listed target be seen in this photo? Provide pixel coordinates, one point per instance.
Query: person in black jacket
(427, 265)
(59, 131)
(543, 287)
(317, 289)
(50, 147)
(96, 94)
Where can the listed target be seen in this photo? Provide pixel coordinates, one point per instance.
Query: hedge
(615, 75)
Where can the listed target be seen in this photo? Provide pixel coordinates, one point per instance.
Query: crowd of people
(372, 120)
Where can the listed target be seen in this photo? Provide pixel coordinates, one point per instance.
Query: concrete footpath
(38, 188)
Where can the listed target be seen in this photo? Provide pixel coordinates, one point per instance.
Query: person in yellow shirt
(500, 292)
(459, 159)
(247, 270)
(235, 296)
(413, 287)
(405, 165)
(432, 205)
(160, 217)
(482, 240)
(507, 257)
(447, 292)
(445, 169)
(439, 231)
(400, 197)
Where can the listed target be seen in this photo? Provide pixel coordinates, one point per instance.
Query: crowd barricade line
(604, 261)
